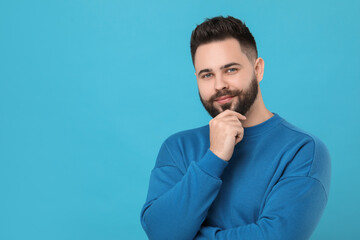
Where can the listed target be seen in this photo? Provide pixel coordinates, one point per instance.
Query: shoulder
(181, 147)
(314, 146)
(186, 137)
(310, 156)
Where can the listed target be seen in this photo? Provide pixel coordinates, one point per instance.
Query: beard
(242, 100)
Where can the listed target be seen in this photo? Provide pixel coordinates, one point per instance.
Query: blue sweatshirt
(275, 186)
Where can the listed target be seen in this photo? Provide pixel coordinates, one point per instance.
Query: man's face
(225, 77)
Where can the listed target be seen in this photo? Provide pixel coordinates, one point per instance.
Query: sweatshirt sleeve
(177, 203)
(292, 211)
(295, 204)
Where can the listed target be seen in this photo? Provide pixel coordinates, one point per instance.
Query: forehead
(218, 53)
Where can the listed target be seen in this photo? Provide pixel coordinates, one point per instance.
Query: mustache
(225, 93)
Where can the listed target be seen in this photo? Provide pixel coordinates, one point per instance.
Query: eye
(206, 75)
(230, 70)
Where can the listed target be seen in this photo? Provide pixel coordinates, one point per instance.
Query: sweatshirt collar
(262, 127)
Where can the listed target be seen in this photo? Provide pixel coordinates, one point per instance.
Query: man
(248, 174)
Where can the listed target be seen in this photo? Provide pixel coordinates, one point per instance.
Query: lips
(224, 99)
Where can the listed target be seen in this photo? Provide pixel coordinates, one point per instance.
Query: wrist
(219, 155)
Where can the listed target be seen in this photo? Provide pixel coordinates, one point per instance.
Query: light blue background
(90, 89)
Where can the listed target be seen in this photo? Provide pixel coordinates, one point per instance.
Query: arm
(178, 203)
(295, 203)
(292, 211)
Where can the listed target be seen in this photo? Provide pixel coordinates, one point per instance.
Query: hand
(226, 131)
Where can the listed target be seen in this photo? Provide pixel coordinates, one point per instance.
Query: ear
(196, 76)
(259, 68)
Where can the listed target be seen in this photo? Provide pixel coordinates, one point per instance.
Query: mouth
(224, 99)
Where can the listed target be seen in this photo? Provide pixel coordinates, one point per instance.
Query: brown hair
(221, 28)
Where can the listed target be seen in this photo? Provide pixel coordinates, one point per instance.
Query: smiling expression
(225, 76)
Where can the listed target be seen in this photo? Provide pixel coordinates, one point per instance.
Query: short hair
(221, 28)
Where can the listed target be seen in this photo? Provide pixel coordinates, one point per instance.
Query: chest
(247, 181)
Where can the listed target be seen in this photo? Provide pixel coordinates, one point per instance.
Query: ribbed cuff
(212, 164)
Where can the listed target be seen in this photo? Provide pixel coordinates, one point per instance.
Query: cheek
(205, 91)
(237, 82)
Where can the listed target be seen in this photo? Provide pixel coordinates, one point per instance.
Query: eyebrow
(222, 67)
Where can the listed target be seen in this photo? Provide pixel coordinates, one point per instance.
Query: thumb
(238, 139)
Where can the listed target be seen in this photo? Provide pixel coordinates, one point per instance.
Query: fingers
(230, 112)
(228, 117)
(239, 136)
(225, 132)
(236, 130)
(222, 122)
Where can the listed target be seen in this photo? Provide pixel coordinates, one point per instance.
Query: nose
(220, 83)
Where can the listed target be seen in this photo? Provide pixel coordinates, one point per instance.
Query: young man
(248, 174)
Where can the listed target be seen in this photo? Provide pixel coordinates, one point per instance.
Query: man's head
(225, 59)
(220, 28)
